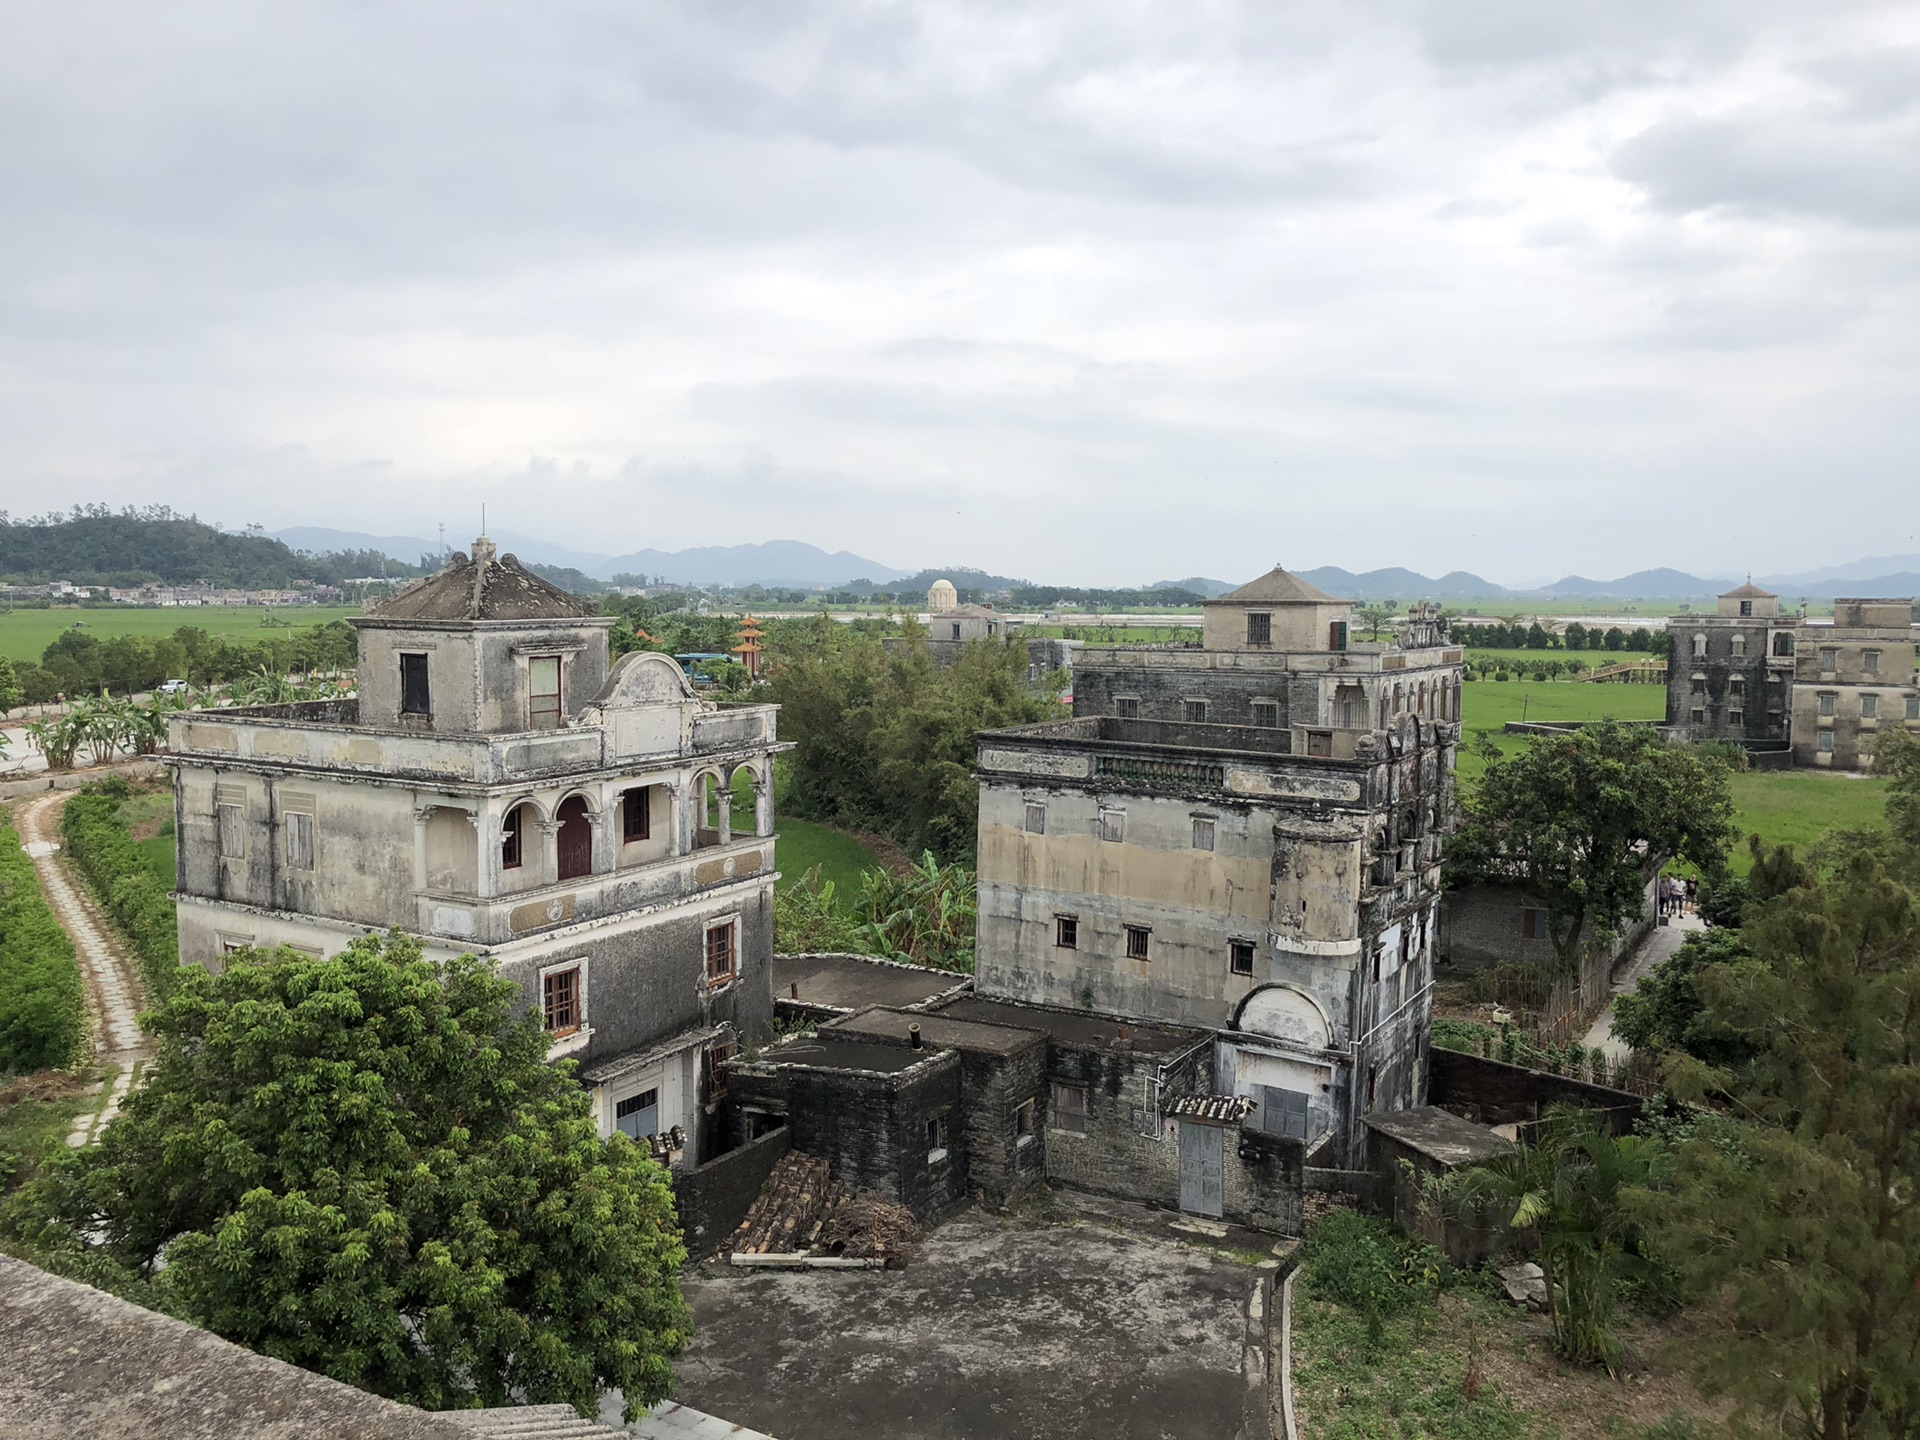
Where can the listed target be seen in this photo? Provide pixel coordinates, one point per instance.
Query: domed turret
(942, 597)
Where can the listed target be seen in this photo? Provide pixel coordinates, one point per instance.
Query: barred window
(721, 959)
(1240, 957)
(560, 1000)
(1137, 937)
(1194, 712)
(1126, 707)
(1266, 714)
(636, 815)
(1066, 931)
(1259, 629)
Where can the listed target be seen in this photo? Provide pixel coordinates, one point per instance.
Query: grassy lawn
(25, 634)
(1490, 704)
(149, 816)
(801, 845)
(1797, 807)
(36, 1112)
(1593, 659)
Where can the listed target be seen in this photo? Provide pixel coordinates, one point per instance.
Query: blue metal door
(1201, 1155)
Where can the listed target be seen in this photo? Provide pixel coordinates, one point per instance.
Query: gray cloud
(1176, 288)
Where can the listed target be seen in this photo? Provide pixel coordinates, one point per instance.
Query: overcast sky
(1100, 293)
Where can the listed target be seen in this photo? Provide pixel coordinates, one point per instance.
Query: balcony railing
(505, 918)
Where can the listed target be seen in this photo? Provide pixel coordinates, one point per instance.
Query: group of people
(1677, 896)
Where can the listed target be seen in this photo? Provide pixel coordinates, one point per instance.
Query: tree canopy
(1576, 818)
(364, 1166)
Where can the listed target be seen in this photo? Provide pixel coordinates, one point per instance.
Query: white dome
(942, 596)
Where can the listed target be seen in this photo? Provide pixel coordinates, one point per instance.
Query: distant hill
(776, 562)
(1402, 585)
(95, 545)
(1197, 585)
(1640, 585)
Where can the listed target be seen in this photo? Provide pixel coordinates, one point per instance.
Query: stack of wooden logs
(803, 1210)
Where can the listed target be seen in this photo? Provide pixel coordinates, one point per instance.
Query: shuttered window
(233, 831)
(721, 959)
(299, 830)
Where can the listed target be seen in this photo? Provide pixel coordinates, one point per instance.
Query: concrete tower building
(1730, 674)
(501, 787)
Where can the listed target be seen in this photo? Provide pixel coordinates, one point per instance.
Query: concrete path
(1660, 942)
(115, 995)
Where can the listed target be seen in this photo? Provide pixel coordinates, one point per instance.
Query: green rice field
(25, 634)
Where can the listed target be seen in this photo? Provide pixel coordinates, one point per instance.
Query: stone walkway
(115, 995)
(1660, 942)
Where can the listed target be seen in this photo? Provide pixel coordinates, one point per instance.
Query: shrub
(102, 846)
(42, 999)
(1370, 1265)
(807, 919)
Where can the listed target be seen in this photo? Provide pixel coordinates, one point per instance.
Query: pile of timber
(803, 1212)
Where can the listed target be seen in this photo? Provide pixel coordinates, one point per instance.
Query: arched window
(1739, 645)
(1699, 647)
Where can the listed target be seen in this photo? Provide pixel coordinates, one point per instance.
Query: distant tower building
(942, 597)
(1728, 673)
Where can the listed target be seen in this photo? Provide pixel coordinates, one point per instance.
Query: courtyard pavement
(996, 1330)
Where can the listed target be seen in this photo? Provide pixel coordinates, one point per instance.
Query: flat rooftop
(829, 1053)
(1074, 1027)
(1438, 1134)
(936, 1028)
(853, 982)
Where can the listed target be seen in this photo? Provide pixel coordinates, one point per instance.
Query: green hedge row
(102, 846)
(43, 1004)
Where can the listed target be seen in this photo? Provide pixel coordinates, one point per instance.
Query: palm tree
(1569, 1187)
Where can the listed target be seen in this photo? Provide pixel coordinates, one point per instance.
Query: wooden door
(576, 840)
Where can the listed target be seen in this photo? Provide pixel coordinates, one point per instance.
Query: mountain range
(776, 562)
(797, 564)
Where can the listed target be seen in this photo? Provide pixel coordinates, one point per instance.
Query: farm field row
(25, 634)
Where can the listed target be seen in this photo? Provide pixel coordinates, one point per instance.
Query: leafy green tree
(364, 1166)
(1375, 615)
(1664, 1012)
(1571, 1187)
(11, 690)
(1572, 819)
(1576, 636)
(1808, 1231)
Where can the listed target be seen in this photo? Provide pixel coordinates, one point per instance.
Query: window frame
(649, 1092)
(537, 709)
(629, 833)
(292, 822)
(1260, 627)
(1194, 711)
(549, 975)
(1034, 820)
(1261, 710)
(1066, 932)
(232, 840)
(1071, 1117)
(1205, 827)
(1869, 705)
(1823, 743)
(1870, 662)
(1126, 707)
(513, 838)
(1240, 957)
(1113, 826)
(730, 927)
(416, 665)
(1139, 942)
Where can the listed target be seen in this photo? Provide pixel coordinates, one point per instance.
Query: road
(115, 995)
(1659, 943)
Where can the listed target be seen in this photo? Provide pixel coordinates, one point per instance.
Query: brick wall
(714, 1199)
(870, 1127)
(1492, 1092)
(992, 1088)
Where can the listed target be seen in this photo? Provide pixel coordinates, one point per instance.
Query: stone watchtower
(1729, 674)
(502, 787)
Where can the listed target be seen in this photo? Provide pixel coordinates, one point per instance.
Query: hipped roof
(485, 586)
(1276, 587)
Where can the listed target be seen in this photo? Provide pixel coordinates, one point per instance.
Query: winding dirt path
(115, 995)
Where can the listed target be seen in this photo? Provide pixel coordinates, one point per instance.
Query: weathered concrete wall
(1401, 1175)
(1738, 689)
(1834, 687)
(1485, 925)
(714, 1198)
(478, 673)
(1127, 1149)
